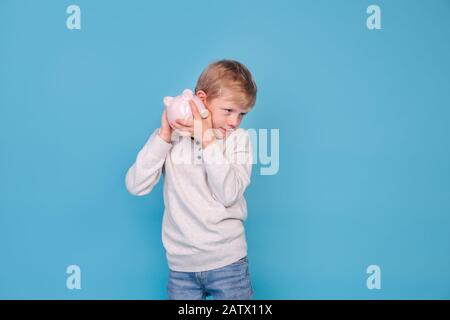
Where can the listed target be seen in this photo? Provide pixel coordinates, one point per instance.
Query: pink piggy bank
(178, 107)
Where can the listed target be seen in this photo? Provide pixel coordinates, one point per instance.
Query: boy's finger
(185, 122)
(181, 127)
(194, 110)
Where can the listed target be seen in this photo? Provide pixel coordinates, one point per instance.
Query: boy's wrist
(207, 142)
(164, 136)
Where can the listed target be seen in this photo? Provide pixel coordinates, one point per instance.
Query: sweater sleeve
(228, 174)
(145, 173)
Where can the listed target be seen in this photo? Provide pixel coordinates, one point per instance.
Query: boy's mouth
(223, 132)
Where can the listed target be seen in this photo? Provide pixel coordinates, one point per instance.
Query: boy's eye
(230, 110)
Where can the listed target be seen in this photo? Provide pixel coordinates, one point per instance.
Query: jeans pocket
(241, 261)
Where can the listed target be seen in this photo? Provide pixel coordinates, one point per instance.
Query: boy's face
(226, 114)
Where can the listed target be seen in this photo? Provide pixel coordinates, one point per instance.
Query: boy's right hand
(165, 132)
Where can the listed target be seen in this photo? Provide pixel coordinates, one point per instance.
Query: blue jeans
(231, 282)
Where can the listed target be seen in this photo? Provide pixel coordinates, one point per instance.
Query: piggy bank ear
(187, 93)
(167, 101)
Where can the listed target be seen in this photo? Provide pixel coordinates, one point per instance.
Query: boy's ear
(202, 95)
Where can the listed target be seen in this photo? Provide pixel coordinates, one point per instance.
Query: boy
(205, 176)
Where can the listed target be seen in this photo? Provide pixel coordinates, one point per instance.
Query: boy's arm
(145, 173)
(228, 175)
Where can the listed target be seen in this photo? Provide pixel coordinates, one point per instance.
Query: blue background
(364, 149)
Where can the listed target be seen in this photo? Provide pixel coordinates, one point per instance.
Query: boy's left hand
(201, 129)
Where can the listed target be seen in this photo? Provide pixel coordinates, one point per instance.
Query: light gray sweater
(203, 196)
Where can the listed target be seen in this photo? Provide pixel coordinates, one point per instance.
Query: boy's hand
(165, 131)
(201, 129)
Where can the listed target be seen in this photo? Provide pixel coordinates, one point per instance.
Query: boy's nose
(234, 122)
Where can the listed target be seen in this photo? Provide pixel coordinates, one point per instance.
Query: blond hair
(230, 76)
